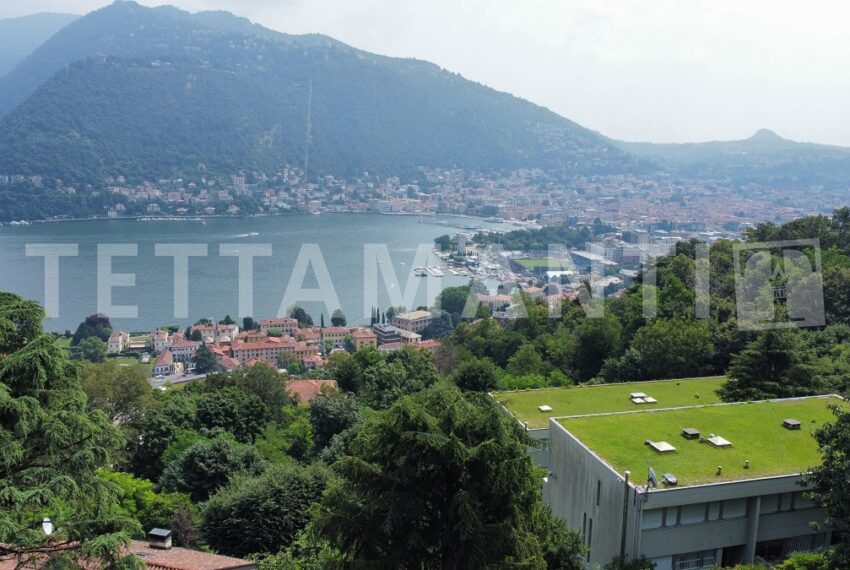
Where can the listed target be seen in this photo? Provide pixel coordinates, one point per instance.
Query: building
(413, 321)
(334, 335)
(693, 487)
(386, 334)
(409, 338)
(118, 342)
(286, 325)
(533, 408)
(270, 349)
(183, 350)
(305, 391)
(159, 340)
(165, 364)
(364, 338)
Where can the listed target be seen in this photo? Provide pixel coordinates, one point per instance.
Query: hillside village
(275, 341)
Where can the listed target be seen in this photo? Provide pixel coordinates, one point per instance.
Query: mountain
(19, 37)
(764, 158)
(156, 92)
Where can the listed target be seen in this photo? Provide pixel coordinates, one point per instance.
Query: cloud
(662, 70)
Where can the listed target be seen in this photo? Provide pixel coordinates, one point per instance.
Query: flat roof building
(707, 485)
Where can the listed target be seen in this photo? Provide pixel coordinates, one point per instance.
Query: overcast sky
(659, 70)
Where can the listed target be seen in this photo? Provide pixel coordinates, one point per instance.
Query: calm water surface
(213, 280)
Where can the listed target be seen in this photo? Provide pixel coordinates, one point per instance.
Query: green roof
(605, 398)
(755, 430)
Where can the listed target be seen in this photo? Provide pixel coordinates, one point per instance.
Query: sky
(649, 70)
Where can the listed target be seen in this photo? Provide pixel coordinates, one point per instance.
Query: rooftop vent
(159, 538)
(638, 401)
(634, 395)
(650, 400)
(690, 433)
(544, 408)
(662, 447)
(718, 441)
(791, 423)
(670, 480)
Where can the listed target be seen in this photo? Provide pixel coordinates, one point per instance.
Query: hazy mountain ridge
(764, 158)
(19, 37)
(159, 91)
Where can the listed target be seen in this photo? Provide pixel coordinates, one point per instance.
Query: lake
(142, 286)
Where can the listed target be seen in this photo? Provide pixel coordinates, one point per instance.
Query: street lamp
(47, 526)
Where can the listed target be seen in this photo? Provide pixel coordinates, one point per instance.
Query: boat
(420, 272)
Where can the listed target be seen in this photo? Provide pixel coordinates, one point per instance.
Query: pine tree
(51, 448)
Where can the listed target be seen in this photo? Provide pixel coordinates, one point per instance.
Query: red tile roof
(185, 559)
(305, 391)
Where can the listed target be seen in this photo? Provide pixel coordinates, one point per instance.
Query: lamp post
(47, 526)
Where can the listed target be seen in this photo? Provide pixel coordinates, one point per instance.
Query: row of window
(722, 510)
(693, 514)
(695, 560)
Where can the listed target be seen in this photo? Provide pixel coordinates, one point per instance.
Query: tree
(92, 349)
(442, 481)
(775, 365)
(94, 326)
(477, 375)
(262, 514)
(453, 300)
(338, 318)
(249, 324)
(208, 465)
(595, 340)
(121, 392)
(331, 414)
(439, 327)
(828, 482)
(525, 360)
(227, 320)
(299, 314)
(139, 501)
(234, 410)
(51, 448)
(205, 361)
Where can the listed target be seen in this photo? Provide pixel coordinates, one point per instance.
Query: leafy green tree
(139, 501)
(234, 410)
(92, 349)
(775, 365)
(442, 481)
(227, 320)
(94, 326)
(249, 324)
(828, 482)
(51, 448)
(209, 465)
(156, 430)
(526, 360)
(205, 361)
(299, 314)
(453, 300)
(262, 514)
(121, 392)
(477, 375)
(331, 414)
(595, 341)
(338, 318)
(260, 380)
(439, 327)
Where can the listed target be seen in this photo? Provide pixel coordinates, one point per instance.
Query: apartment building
(692, 487)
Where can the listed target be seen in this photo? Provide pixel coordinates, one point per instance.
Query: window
(803, 502)
(598, 491)
(692, 514)
(652, 518)
(589, 538)
(786, 502)
(584, 525)
(671, 516)
(713, 511)
(734, 509)
(695, 560)
(769, 504)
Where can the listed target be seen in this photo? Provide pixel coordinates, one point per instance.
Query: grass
(548, 264)
(605, 398)
(755, 430)
(147, 369)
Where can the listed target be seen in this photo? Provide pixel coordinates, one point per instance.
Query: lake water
(358, 272)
